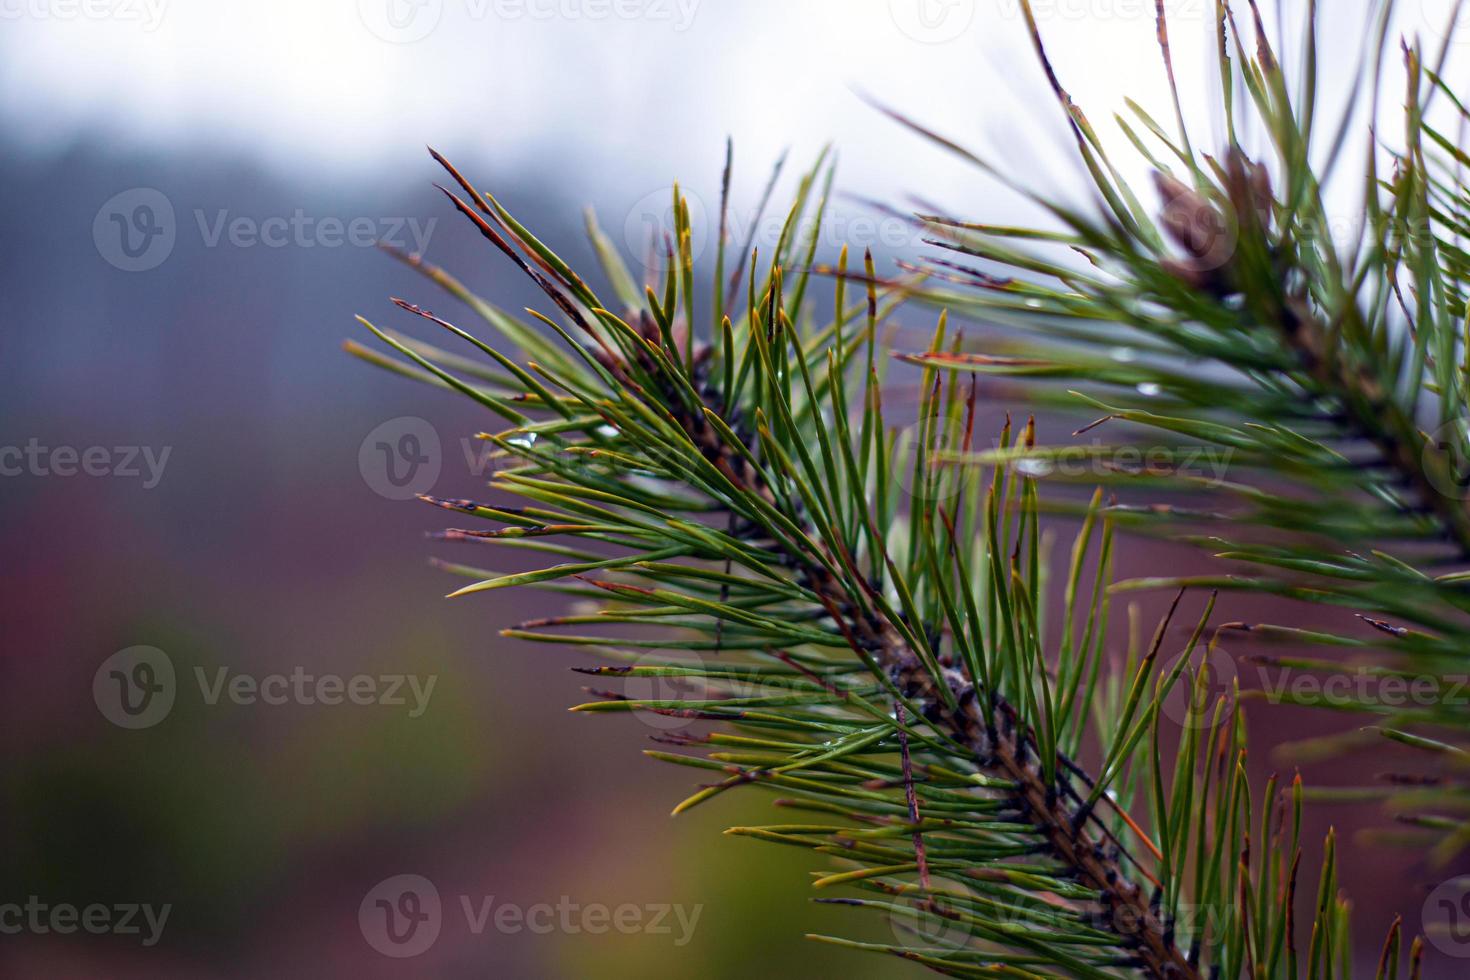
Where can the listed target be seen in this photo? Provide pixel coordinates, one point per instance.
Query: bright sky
(630, 92)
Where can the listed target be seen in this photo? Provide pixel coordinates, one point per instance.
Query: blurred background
(191, 195)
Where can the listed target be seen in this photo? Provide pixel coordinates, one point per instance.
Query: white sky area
(621, 94)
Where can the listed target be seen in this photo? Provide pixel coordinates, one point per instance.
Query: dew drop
(525, 440)
(1149, 389)
(1123, 355)
(1035, 467)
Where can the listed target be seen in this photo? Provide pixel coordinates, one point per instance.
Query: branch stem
(986, 725)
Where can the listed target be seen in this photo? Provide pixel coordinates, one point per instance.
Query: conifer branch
(1332, 373)
(867, 638)
(877, 661)
(979, 720)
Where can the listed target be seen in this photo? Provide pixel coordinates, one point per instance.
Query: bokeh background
(189, 192)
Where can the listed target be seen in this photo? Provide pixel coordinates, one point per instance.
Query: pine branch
(980, 721)
(1233, 322)
(883, 665)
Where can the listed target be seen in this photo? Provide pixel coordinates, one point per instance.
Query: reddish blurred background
(264, 547)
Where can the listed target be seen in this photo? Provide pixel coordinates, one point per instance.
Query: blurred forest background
(265, 545)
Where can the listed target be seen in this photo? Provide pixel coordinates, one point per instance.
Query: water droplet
(525, 440)
(1149, 390)
(1035, 467)
(1124, 355)
(1035, 304)
(608, 431)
